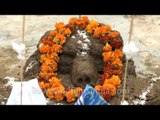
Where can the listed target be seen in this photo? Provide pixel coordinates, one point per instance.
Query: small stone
(2, 103)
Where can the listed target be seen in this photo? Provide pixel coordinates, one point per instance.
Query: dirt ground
(9, 67)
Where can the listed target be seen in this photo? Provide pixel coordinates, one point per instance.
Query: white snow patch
(20, 49)
(142, 97)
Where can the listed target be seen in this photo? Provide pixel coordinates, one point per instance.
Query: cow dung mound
(81, 63)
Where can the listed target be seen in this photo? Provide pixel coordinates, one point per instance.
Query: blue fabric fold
(90, 97)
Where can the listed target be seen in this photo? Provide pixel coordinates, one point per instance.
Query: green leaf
(75, 95)
(107, 43)
(57, 42)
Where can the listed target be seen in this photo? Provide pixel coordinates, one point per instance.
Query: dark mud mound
(76, 66)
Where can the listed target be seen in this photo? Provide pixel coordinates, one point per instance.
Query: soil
(9, 67)
(153, 98)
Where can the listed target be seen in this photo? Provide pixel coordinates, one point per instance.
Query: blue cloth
(90, 97)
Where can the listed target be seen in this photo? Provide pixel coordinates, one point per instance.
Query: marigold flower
(84, 19)
(56, 93)
(101, 31)
(116, 44)
(67, 32)
(103, 77)
(50, 62)
(53, 32)
(72, 20)
(92, 26)
(104, 39)
(54, 80)
(59, 25)
(118, 53)
(53, 56)
(41, 84)
(44, 85)
(43, 58)
(79, 91)
(109, 89)
(113, 34)
(59, 38)
(104, 92)
(45, 49)
(59, 93)
(70, 96)
(117, 61)
(114, 80)
(56, 48)
(62, 30)
(50, 93)
(52, 45)
(46, 68)
(73, 94)
(106, 28)
(97, 32)
(108, 56)
(98, 88)
(46, 76)
(107, 48)
(71, 27)
(47, 41)
(78, 22)
(110, 70)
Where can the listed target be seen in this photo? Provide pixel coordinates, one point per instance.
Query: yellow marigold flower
(59, 25)
(101, 31)
(118, 53)
(108, 56)
(114, 80)
(92, 26)
(53, 32)
(113, 34)
(56, 48)
(45, 49)
(107, 48)
(117, 61)
(109, 89)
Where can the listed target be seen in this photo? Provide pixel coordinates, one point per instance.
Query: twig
(23, 35)
(126, 67)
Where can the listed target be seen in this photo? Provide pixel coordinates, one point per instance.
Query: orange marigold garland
(52, 46)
